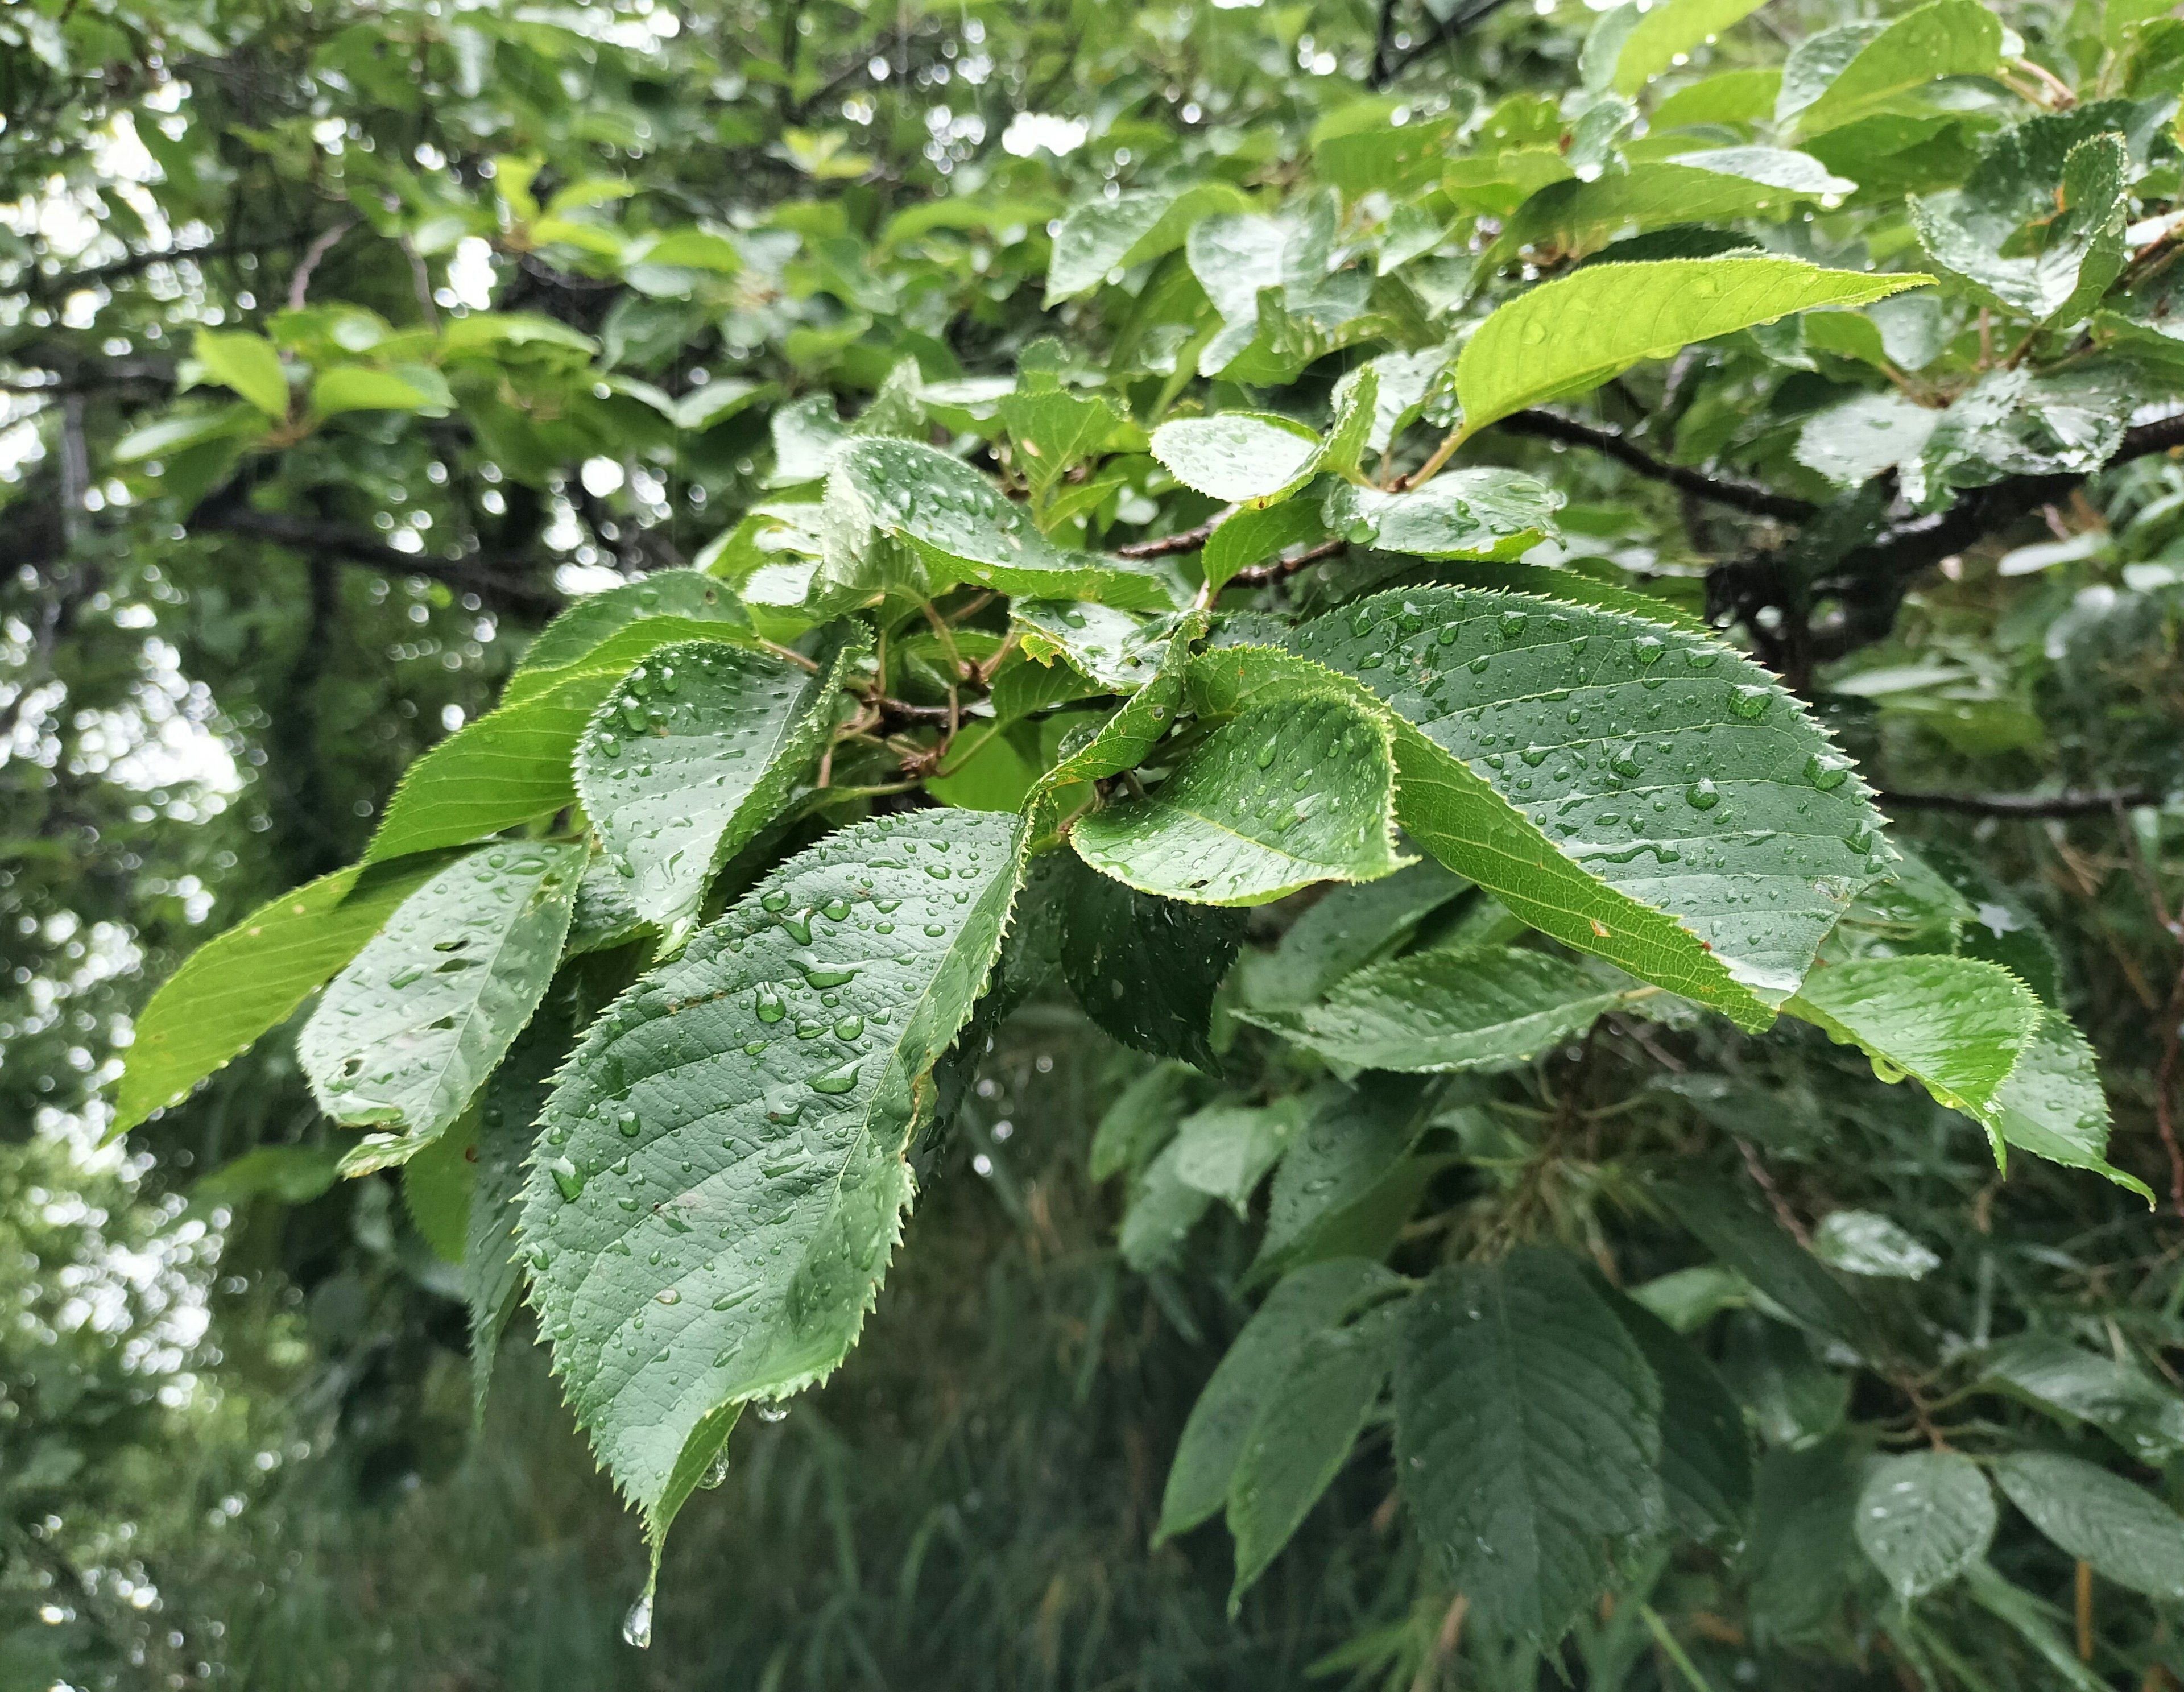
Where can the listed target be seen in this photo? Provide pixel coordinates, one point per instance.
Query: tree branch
(2086, 802)
(474, 572)
(1444, 29)
(1757, 502)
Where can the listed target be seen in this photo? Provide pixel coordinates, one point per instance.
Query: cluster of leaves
(1159, 622)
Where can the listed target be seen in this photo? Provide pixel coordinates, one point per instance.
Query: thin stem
(1671, 1649)
(792, 655)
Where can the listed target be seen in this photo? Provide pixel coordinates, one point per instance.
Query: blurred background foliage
(234, 1426)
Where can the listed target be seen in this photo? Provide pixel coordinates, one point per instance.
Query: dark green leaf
(1146, 968)
(1924, 1518)
(2123, 1531)
(1527, 1437)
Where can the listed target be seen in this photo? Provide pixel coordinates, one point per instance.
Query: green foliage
(1389, 629)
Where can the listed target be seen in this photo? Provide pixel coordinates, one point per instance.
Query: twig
(1757, 502)
(1188, 540)
(1259, 574)
(422, 280)
(299, 284)
(354, 546)
(1444, 1641)
(1758, 1172)
(1444, 29)
(2087, 803)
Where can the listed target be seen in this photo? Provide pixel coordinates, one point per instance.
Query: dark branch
(475, 572)
(1260, 573)
(1444, 29)
(1167, 546)
(1757, 502)
(2067, 804)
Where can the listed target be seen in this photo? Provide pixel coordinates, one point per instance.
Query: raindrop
(839, 1079)
(770, 1005)
(566, 1176)
(1702, 795)
(637, 1626)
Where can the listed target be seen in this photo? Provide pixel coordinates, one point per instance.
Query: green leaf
(511, 766)
(1668, 31)
(699, 1107)
(2029, 1619)
(613, 630)
(1124, 740)
(233, 988)
(171, 436)
(1361, 152)
(1107, 235)
(2019, 182)
(1866, 1243)
(1145, 968)
(409, 1030)
(509, 1110)
(1226, 1149)
(1302, 1436)
(359, 387)
(1771, 1260)
(2140, 1414)
(1348, 928)
(1348, 1181)
(1706, 1454)
(1250, 1374)
(1955, 1025)
(1453, 1008)
(1120, 650)
(1141, 1119)
(2053, 1105)
(1798, 1558)
(1947, 38)
(1580, 217)
(1163, 1210)
(1634, 790)
(1054, 431)
(1243, 458)
(1256, 534)
(719, 399)
(437, 1184)
(1480, 513)
(1272, 801)
(291, 1174)
(1924, 1518)
(1566, 336)
(957, 527)
(2126, 1534)
(248, 364)
(695, 750)
(1857, 440)
(1528, 1436)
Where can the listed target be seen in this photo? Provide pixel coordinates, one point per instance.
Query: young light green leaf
(1253, 1371)
(510, 767)
(1453, 1008)
(1566, 336)
(722, 1175)
(1271, 280)
(959, 528)
(2053, 1105)
(2080, 249)
(1955, 1025)
(1256, 534)
(1226, 1149)
(719, 399)
(1944, 38)
(613, 630)
(1478, 514)
(1106, 235)
(1528, 1436)
(2124, 1532)
(233, 988)
(694, 751)
(1924, 1518)
(410, 1029)
(248, 364)
(418, 388)
(1054, 430)
(1302, 1436)
(1634, 790)
(1274, 801)
(1580, 217)
(1245, 458)
(1669, 30)
(1145, 969)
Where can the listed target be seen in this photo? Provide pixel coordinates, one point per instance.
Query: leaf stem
(1671, 1649)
